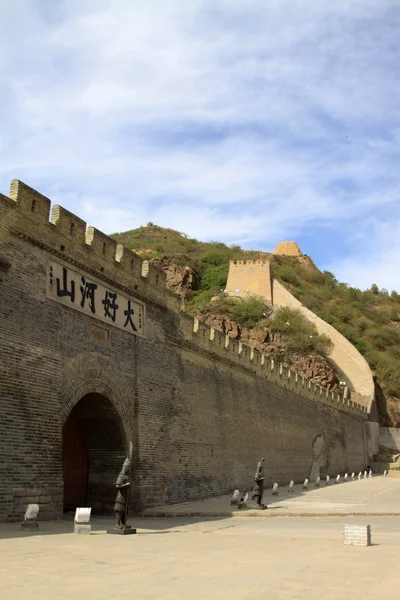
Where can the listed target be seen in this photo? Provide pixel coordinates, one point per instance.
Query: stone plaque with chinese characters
(83, 293)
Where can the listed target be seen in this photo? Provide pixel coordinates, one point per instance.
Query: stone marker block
(357, 535)
(82, 528)
(242, 506)
(234, 502)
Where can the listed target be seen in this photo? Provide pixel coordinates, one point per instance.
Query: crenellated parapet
(28, 214)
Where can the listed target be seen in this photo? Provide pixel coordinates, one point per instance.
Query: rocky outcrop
(311, 366)
(182, 280)
(317, 368)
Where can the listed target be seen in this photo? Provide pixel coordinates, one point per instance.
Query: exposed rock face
(388, 408)
(316, 368)
(311, 366)
(182, 280)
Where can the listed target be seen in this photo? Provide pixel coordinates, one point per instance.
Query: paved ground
(377, 495)
(214, 558)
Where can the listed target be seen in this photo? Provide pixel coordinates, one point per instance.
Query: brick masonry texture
(357, 535)
(199, 408)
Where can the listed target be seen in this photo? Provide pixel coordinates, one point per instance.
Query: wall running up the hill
(256, 277)
(345, 356)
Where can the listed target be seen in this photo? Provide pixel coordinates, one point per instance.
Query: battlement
(200, 337)
(28, 213)
(258, 261)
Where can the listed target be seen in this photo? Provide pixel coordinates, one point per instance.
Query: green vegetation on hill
(210, 260)
(370, 320)
(249, 313)
(300, 335)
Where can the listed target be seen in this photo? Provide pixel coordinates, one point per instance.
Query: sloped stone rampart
(345, 356)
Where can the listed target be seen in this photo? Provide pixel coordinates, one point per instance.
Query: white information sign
(31, 512)
(82, 515)
(83, 293)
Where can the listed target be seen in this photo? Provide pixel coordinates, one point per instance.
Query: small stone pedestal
(357, 535)
(234, 502)
(84, 528)
(242, 505)
(125, 531)
(29, 526)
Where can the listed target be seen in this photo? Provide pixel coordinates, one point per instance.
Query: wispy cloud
(246, 121)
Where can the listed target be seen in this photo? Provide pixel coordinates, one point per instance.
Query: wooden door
(75, 463)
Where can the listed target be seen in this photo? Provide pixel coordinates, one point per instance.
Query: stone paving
(377, 495)
(215, 558)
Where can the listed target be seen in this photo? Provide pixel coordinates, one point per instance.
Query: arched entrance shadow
(97, 408)
(94, 448)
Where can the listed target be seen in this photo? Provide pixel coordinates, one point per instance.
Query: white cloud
(250, 121)
(375, 257)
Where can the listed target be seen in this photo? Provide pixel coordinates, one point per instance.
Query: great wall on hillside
(95, 348)
(254, 277)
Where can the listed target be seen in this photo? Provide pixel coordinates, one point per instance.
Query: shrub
(214, 277)
(300, 334)
(249, 312)
(288, 274)
(330, 279)
(312, 276)
(382, 338)
(200, 299)
(246, 312)
(374, 289)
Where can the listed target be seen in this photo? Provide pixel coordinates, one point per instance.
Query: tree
(374, 289)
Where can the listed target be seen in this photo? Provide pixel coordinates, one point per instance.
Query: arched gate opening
(94, 448)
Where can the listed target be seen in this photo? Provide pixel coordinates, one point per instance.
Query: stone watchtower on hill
(254, 277)
(288, 249)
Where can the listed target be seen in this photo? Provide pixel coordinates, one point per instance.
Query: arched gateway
(96, 430)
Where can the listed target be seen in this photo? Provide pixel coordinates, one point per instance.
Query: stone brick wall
(199, 408)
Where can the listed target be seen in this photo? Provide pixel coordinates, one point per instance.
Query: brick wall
(199, 408)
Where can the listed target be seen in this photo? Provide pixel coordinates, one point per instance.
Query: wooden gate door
(75, 463)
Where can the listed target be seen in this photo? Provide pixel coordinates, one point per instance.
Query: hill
(369, 319)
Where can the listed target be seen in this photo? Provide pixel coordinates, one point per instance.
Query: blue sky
(246, 121)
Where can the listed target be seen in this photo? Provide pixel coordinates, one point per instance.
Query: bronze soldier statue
(258, 489)
(122, 500)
